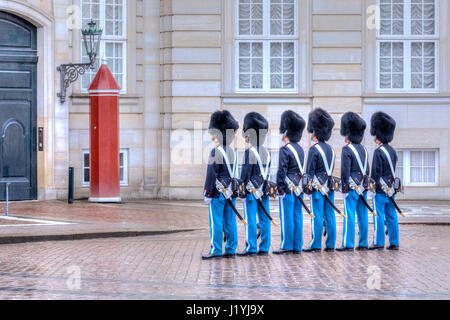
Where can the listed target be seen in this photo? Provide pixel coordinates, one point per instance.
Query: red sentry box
(104, 137)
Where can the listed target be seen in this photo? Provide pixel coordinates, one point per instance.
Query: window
(86, 167)
(110, 15)
(408, 46)
(123, 168)
(418, 167)
(266, 44)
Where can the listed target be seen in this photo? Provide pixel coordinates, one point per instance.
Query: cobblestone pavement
(57, 217)
(169, 267)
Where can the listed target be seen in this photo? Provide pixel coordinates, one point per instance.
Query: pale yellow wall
(180, 56)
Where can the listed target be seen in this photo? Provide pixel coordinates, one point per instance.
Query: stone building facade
(178, 61)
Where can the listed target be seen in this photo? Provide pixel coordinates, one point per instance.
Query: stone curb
(86, 236)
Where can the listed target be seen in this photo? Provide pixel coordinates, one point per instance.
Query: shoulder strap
(328, 169)
(227, 162)
(265, 172)
(358, 158)
(302, 168)
(388, 156)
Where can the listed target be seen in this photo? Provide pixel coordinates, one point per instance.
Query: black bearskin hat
(382, 126)
(223, 122)
(292, 124)
(321, 124)
(353, 127)
(255, 128)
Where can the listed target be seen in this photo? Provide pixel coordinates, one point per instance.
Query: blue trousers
(322, 210)
(291, 220)
(353, 204)
(251, 210)
(221, 215)
(385, 211)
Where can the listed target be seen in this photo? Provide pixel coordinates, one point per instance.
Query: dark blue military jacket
(287, 166)
(350, 166)
(250, 166)
(381, 168)
(315, 165)
(217, 169)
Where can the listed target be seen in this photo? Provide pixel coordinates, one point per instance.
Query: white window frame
(406, 179)
(266, 39)
(111, 39)
(407, 38)
(85, 183)
(123, 182)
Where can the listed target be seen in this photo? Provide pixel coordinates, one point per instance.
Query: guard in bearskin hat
(254, 175)
(222, 166)
(382, 127)
(291, 169)
(354, 174)
(320, 165)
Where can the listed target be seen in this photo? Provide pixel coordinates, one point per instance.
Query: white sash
(389, 159)
(264, 173)
(302, 168)
(358, 158)
(233, 173)
(328, 169)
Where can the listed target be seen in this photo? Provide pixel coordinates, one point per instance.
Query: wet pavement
(168, 266)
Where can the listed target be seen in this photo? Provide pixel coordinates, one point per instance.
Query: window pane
(423, 17)
(282, 65)
(423, 65)
(113, 27)
(114, 60)
(392, 17)
(391, 65)
(429, 158)
(399, 167)
(251, 17)
(251, 65)
(86, 176)
(86, 161)
(282, 17)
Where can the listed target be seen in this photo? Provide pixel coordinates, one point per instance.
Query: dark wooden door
(18, 67)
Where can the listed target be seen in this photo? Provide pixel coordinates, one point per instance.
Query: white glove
(207, 200)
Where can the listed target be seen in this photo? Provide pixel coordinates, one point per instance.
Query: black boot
(229, 255)
(263, 253)
(393, 247)
(282, 251)
(211, 256)
(362, 248)
(344, 249)
(374, 247)
(312, 250)
(245, 253)
(329, 250)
